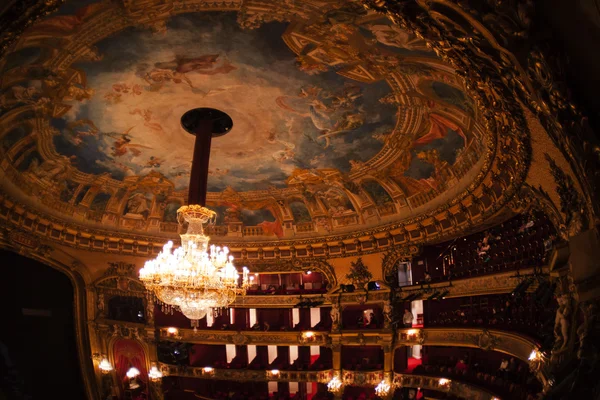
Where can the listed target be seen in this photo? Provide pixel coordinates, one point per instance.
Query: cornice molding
(511, 343)
(354, 378)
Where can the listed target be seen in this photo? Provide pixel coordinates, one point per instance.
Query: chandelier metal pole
(204, 123)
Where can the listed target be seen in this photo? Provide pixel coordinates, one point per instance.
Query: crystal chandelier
(196, 278)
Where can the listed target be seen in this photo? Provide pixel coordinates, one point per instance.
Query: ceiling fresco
(341, 119)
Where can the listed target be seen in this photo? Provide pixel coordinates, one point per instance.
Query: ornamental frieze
(291, 338)
(515, 344)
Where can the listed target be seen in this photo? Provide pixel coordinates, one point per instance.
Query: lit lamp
(155, 375)
(334, 385)
(208, 371)
(534, 355)
(132, 374)
(273, 374)
(383, 389)
(105, 366)
(196, 278)
(444, 382)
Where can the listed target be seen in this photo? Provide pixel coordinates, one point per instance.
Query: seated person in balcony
(372, 321)
(461, 366)
(407, 318)
(271, 289)
(256, 326)
(427, 278)
(548, 243)
(503, 365)
(483, 247)
(526, 226)
(360, 321)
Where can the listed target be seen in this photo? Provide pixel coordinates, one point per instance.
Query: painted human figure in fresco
(49, 170)
(175, 70)
(331, 113)
(137, 204)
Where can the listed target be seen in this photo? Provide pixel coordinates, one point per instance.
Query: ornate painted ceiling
(342, 121)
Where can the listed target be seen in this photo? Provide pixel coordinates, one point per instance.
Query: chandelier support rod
(204, 123)
(200, 162)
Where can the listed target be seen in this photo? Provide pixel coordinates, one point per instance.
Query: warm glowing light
(172, 331)
(208, 370)
(194, 278)
(274, 372)
(334, 385)
(133, 372)
(382, 389)
(444, 381)
(309, 334)
(105, 366)
(154, 374)
(308, 272)
(534, 355)
(412, 332)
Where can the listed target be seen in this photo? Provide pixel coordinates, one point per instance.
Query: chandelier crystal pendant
(196, 278)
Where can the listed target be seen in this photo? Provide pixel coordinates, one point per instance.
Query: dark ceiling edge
(15, 19)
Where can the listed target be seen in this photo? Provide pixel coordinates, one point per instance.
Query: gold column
(388, 358)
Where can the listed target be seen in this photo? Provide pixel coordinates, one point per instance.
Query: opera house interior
(299, 199)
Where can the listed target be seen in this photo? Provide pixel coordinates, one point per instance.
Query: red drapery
(439, 129)
(129, 353)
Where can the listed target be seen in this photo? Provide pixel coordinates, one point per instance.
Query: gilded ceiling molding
(427, 227)
(503, 64)
(72, 234)
(31, 248)
(21, 15)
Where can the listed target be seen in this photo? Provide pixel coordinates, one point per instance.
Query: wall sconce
(172, 331)
(334, 385)
(105, 366)
(274, 373)
(208, 371)
(444, 381)
(155, 375)
(383, 389)
(534, 355)
(132, 372)
(412, 332)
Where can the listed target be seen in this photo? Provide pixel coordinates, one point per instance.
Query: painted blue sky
(140, 92)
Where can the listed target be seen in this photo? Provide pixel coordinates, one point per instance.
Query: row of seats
(522, 315)
(520, 243)
(521, 387)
